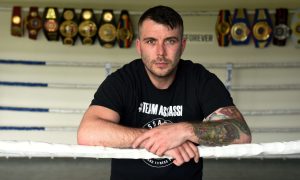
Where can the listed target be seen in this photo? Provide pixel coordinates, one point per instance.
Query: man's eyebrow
(167, 38)
(172, 37)
(148, 38)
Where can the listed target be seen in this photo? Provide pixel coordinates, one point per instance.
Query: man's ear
(183, 44)
(138, 46)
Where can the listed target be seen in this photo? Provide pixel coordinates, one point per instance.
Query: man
(163, 104)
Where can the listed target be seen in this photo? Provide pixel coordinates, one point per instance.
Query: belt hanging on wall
(33, 23)
(51, 23)
(87, 27)
(223, 26)
(295, 24)
(69, 26)
(107, 32)
(17, 28)
(262, 28)
(240, 31)
(281, 30)
(124, 30)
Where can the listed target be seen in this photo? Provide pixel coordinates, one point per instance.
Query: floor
(93, 169)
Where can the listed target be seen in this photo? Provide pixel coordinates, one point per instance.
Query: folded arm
(99, 127)
(224, 126)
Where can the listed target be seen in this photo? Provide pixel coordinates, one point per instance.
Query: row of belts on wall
(238, 30)
(69, 26)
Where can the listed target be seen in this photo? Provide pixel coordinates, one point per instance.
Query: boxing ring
(42, 149)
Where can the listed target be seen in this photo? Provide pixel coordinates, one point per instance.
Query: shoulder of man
(127, 71)
(131, 66)
(191, 67)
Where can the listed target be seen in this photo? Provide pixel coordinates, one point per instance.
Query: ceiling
(134, 5)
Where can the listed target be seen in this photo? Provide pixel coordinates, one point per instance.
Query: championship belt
(16, 22)
(296, 28)
(124, 30)
(33, 22)
(51, 24)
(240, 30)
(68, 27)
(107, 32)
(223, 26)
(87, 27)
(262, 28)
(281, 29)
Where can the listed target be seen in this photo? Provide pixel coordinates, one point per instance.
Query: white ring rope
(41, 149)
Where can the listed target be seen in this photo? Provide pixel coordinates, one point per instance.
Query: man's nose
(160, 49)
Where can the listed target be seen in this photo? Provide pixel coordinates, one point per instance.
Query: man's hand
(184, 153)
(164, 137)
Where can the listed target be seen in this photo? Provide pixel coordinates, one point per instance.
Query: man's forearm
(223, 132)
(108, 134)
(120, 136)
(224, 126)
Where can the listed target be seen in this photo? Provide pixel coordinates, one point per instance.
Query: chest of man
(152, 107)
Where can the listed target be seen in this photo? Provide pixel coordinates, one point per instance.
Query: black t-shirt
(194, 94)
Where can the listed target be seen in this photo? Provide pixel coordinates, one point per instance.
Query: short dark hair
(163, 15)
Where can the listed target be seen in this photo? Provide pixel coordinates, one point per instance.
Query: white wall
(206, 53)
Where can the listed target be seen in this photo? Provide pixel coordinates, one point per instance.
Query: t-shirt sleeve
(110, 94)
(214, 95)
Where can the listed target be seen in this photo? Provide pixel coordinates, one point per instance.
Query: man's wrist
(189, 132)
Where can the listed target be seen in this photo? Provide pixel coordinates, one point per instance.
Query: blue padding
(7, 108)
(10, 128)
(6, 83)
(3, 61)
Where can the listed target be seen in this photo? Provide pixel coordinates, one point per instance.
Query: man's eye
(150, 41)
(171, 41)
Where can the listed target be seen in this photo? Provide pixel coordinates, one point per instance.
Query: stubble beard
(160, 73)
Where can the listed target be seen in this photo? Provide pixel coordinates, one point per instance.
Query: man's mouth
(161, 64)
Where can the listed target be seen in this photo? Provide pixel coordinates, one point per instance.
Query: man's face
(160, 48)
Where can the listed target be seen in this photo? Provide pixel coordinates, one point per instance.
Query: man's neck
(161, 82)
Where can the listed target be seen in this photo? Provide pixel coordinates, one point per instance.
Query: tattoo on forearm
(221, 127)
(225, 113)
(216, 133)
